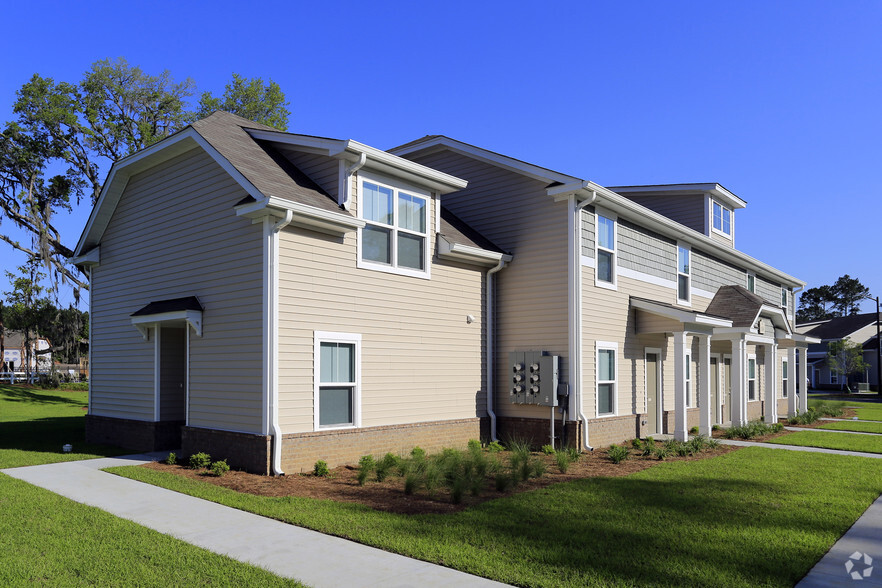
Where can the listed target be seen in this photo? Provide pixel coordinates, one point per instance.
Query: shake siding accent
(322, 170)
(588, 231)
(770, 292)
(710, 273)
(687, 210)
(515, 213)
(645, 251)
(420, 358)
(174, 234)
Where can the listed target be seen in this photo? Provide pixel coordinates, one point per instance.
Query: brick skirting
(244, 451)
(133, 434)
(537, 432)
(300, 451)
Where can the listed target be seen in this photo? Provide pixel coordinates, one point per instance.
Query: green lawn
(35, 424)
(46, 539)
(873, 413)
(712, 522)
(859, 426)
(845, 441)
(867, 411)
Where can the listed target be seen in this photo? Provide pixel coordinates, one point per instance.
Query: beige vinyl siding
(516, 214)
(175, 234)
(322, 170)
(421, 360)
(687, 210)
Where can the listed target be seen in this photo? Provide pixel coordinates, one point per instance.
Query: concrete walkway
(861, 544)
(830, 430)
(288, 551)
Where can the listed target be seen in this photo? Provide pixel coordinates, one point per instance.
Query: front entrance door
(715, 388)
(727, 387)
(653, 393)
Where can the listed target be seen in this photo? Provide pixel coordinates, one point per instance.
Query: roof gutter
(273, 352)
(490, 355)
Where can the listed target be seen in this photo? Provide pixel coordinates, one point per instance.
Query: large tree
(845, 359)
(77, 129)
(843, 298)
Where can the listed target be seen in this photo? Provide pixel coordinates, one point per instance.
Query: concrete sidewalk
(292, 552)
(795, 429)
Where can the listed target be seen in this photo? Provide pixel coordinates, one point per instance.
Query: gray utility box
(534, 378)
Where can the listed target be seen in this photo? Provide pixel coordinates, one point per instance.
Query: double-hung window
(606, 378)
(688, 379)
(683, 274)
(606, 250)
(722, 219)
(395, 236)
(751, 378)
(751, 282)
(784, 298)
(337, 379)
(784, 378)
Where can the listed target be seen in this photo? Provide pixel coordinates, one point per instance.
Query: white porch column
(771, 395)
(704, 386)
(792, 380)
(680, 351)
(739, 364)
(801, 378)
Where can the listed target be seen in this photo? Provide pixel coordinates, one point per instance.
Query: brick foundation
(755, 410)
(133, 434)
(693, 419)
(537, 432)
(245, 451)
(300, 451)
(606, 431)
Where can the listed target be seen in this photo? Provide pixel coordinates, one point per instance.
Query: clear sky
(777, 101)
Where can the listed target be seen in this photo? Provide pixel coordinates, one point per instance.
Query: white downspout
(488, 312)
(577, 315)
(274, 342)
(347, 185)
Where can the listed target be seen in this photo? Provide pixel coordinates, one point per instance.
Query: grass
(711, 522)
(867, 411)
(47, 539)
(859, 426)
(844, 441)
(35, 424)
(870, 413)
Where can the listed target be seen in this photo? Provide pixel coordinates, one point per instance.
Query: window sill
(388, 269)
(606, 285)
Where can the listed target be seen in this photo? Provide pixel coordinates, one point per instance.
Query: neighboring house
(858, 328)
(276, 298)
(15, 355)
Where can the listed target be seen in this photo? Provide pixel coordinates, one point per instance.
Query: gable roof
(842, 326)
(736, 303)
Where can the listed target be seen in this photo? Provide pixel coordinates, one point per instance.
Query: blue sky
(777, 101)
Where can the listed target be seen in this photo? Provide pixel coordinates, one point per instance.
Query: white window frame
(606, 346)
(747, 280)
(785, 365)
(393, 267)
(613, 252)
(751, 357)
(834, 377)
(320, 337)
(688, 274)
(785, 299)
(723, 207)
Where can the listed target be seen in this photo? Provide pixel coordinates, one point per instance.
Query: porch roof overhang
(676, 319)
(187, 310)
(796, 340)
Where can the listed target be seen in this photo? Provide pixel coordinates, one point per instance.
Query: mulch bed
(389, 495)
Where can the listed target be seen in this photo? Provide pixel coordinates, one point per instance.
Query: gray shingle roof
(737, 304)
(456, 230)
(843, 326)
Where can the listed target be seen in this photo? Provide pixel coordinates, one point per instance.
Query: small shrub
(321, 469)
(366, 467)
(752, 430)
(548, 449)
(432, 476)
(385, 466)
(827, 410)
(200, 460)
(219, 468)
(562, 459)
(495, 447)
(457, 488)
(712, 443)
(574, 453)
(715, 428)
(617, 454)
(648, 446)
(474, 445)
(637, 444)
(172, 459)
(502, 481)
(806, 418)
(693, 431)
(538, 468)
(418, 453)
(661, 452)
(411, 482)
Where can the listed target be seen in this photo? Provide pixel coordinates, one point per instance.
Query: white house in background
(14, 355)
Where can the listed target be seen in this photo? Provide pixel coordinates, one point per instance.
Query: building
(276, 298)
(858, 328)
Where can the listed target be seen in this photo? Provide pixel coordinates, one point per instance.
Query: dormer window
(722, 219)
(395, 237)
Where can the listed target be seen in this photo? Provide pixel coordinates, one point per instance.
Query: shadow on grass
(35, 396)
(48, 435)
